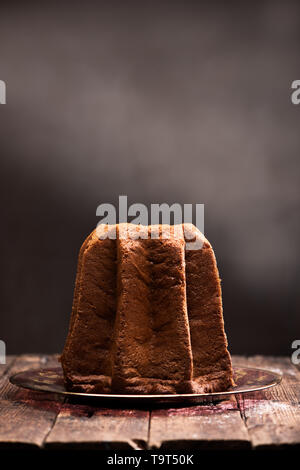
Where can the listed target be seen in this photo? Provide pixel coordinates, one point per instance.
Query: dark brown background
(165, 102)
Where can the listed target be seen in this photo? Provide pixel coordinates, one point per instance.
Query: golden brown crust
(151, 319)
(147, 317)
(76, 290)
(87, 352)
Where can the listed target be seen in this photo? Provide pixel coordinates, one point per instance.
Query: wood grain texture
(4, 368)
(208, 426)
(87, 427)
(273, 416)
(262, 420)
(26, 417)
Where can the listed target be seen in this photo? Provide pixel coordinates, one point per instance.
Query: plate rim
(277, 381)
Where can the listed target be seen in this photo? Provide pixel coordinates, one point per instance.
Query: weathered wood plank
(273, 416)
(26, 417)
(207, 426)
(83, 426)
(270, 418)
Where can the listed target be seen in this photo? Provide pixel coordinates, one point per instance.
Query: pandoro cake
(147, 315)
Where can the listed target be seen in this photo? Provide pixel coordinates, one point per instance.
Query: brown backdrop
(165, 102)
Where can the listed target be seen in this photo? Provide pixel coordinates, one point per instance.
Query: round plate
(247, 380)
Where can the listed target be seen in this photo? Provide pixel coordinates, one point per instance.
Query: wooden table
(262, 420)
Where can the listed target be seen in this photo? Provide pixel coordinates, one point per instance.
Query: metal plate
(247, 380)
